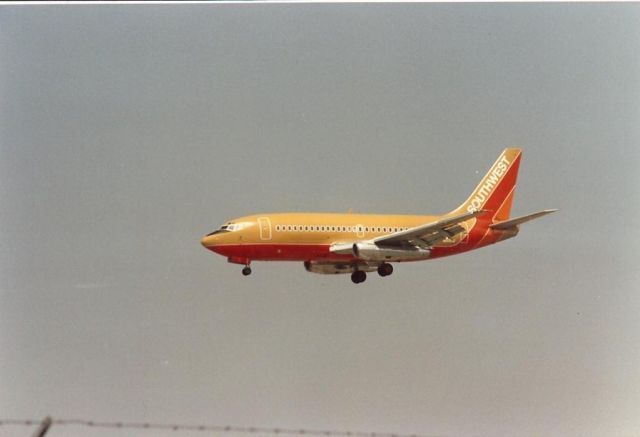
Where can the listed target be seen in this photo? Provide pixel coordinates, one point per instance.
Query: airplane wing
(519, 220)
(428, 234)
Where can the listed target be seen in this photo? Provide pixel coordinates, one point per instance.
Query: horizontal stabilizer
(519, 220)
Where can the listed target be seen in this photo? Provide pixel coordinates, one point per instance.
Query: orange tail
(495, 191)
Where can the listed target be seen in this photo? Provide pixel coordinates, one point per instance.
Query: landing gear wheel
(246, 271)
(385, 269)
(358, 276)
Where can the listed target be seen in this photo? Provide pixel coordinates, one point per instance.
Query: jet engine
(373, 252)
(331, 268)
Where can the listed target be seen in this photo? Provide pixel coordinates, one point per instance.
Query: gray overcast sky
(127, 132)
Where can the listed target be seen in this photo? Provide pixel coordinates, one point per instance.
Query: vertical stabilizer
(495, 191)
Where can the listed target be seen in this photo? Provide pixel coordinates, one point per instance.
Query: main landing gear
(358, 276)
(385, 269)
(246, 271)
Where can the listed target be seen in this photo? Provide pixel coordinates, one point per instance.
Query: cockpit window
(219, 231)
(236, 226)
(229, 227)
(223, 228)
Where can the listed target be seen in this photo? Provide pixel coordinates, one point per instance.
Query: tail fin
(495, 191)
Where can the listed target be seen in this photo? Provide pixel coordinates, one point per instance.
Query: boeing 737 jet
(361, 243)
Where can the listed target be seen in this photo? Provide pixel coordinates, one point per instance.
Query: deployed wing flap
(429, 233)
(442, 234)
(519, 220)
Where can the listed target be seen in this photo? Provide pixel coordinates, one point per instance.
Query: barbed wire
(205, 428)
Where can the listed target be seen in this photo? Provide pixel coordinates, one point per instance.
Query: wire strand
(206, 428)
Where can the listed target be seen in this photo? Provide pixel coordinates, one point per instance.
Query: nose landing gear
(246, 271)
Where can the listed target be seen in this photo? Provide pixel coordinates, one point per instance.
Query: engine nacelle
(373, 252)
(334, 268)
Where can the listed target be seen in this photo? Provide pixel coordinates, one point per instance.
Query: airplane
(332, 243)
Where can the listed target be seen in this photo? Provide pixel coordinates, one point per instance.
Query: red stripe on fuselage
(319, 252)
(279, 252)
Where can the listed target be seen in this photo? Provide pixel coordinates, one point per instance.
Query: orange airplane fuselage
(307, 236)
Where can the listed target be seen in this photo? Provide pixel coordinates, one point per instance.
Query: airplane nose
(209, 241)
